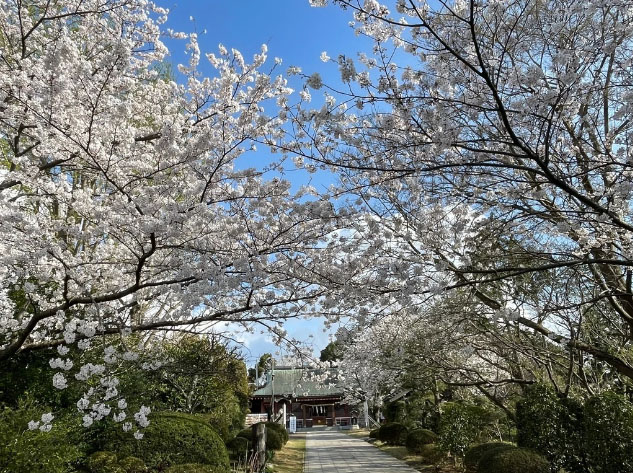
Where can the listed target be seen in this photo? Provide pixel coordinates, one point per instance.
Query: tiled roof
(301, 382)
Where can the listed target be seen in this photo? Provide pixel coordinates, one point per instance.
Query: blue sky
(295, 32)
(292, 29)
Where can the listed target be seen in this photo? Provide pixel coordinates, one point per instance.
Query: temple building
(313, 396)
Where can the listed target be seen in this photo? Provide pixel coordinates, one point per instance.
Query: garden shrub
(196, 468)
(278, 428)
(373, 434)
(461, 425)
(274, 440)
(394, 433)
(394, 412)
(474, 454)
(422, 410)
(608, 433)
(171, 438)
(33, 451)
(238, 446)
(419, 437)
(512, 460)
(133, 465)
(104, 462)
(553, 427)
(246, 434)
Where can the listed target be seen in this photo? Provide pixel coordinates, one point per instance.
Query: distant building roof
(301, 382)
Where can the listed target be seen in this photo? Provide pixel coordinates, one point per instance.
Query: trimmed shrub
(274, 440)
(474, 454)
(553, 427)
(419, 437)
(608, 433)
(246, 434)
(104, 462)
(393, 434)
(171, 438)
(512, 460)
(238, 445)
(461, 425)
(133, 465)
(33, 451)
(373, 434)
(278, 428)
(196, 468)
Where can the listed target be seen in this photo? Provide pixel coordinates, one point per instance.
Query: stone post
(259, 446)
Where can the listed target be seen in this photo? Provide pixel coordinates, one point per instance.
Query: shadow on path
(334, 452)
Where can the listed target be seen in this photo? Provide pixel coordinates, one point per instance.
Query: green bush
(245, 433)
(274, 440)
(238, 446)
(104, 462)
(279, 429)
(608, 433)
(419, 437)
(196, 468)
(394, 412)
(171, 438)
(133, 465)
(461, 425)
(512, 460)
(32, 451)
(474, 454)
(107, 462)
(422, 409)
(553, 427)
(393, 434)
(373, 434)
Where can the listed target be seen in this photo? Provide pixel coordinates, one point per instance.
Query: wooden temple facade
(311, 395)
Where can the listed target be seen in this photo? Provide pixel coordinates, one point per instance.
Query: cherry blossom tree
(123, 205)
(490, 145)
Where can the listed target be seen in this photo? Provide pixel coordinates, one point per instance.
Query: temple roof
(301, 382)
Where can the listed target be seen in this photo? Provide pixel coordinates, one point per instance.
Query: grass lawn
(290, 458)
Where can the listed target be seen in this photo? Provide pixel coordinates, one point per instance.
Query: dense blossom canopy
(479, 226)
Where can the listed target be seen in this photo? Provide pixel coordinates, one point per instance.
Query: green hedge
(246, 434)
(107, 462)
(276, 437)
(461, 425)
(393, 433)
(395, 412)
(280, 429)
(417, 438)
(171, 438)
(596, 437)
(238, 446)
(33, 451)
(608, 433)
(553, 427)
(103, 462)
(133, 465)
(274, 440)
(474, 454)
(373, 434)
(512, 460)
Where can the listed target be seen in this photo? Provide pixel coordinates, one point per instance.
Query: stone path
(329, 451)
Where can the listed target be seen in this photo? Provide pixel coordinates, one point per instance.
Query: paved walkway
(329, 451)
